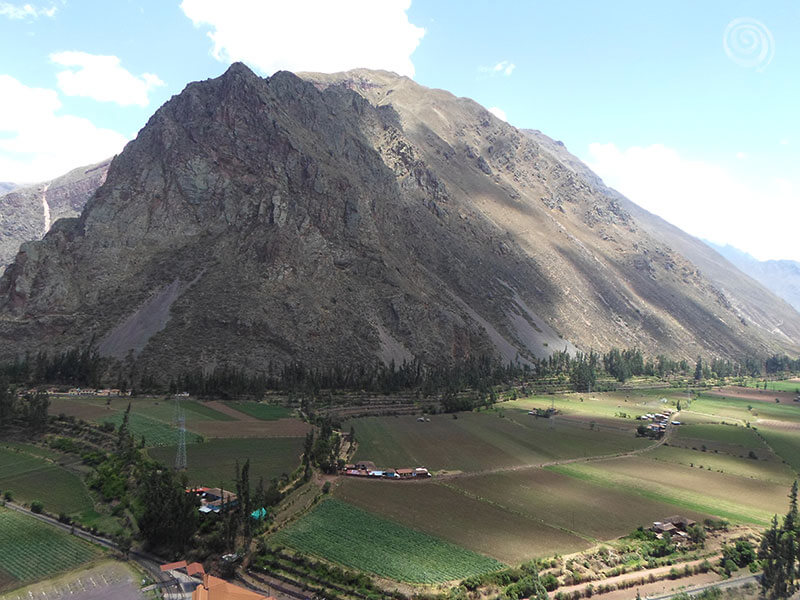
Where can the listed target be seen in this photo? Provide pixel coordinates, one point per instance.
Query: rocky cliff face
(351, 218)
(27, 212)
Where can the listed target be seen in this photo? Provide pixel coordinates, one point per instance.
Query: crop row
(342, 533)
(155, 433)
(31, 550)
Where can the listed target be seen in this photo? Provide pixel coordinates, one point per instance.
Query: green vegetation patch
(262, 411)
(31, 550)
(212, 462)
(155, 433)
(200, 410)
(342, 533)
(31, 478)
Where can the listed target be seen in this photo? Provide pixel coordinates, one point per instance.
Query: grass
(31, 478)
(479, 441)
(262, 411)
(775, 386)
(342, 533)
(767, 467)
(212, 463)
(31, 550)
(154, 432)
(786, 444)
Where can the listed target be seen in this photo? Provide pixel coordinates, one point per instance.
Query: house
(213, 499)
(405, 473)
(421, 472)
(214, 588)
(365, 465)
(673, 525)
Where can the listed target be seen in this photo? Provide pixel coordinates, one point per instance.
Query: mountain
(27, 212)
(356, 217)
(6, 186)
(782, 277)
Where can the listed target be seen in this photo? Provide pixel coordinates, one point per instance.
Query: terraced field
(31, 550)
(345, 534)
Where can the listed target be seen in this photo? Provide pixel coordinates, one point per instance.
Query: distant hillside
(780, 276)
(27, 212)
(6, 186)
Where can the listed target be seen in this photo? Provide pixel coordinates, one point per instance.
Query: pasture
(213, 462)
(31, 550)
(485, 440)
(337, 531)
(469, 521)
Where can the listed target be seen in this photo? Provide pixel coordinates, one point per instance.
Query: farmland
(487, 440)
(360, 540)
(31, 550)
(442, 510)
(264, 412)
(30, 478)
(212, 462)
(155, 433)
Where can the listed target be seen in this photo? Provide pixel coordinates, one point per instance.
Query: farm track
(554, 463)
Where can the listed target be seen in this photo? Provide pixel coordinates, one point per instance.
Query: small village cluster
(366, 468)
(659, 420)
(92, 392)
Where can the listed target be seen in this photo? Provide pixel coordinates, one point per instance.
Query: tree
(168, 515)
(698, 369)
(779, 553)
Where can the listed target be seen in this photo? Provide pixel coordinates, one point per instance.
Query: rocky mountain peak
(356, 217)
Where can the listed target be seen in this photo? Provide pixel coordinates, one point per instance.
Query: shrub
(37, 507)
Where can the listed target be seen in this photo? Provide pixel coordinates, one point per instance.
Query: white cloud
(499, 113)
(37, 143)
(705, 199)
(26, 11)
(504, 67)
(103, 78)
(310, 35)
(741, 155)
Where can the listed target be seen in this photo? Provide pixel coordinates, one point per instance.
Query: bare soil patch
(752, 394)
(782, 425)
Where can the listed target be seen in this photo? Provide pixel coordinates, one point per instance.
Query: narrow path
(564, 461)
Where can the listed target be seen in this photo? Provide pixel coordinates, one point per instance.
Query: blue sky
(646, 93)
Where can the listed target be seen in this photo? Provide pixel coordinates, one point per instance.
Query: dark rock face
(346, 219)
(23, 216)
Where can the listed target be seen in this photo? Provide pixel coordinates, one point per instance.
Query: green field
(479, 441)
(212, 463)
(154, 432)
(445, 511)
(31, 550)
(336, 531)
(776, 386)
(31, 478)
(262, 411)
